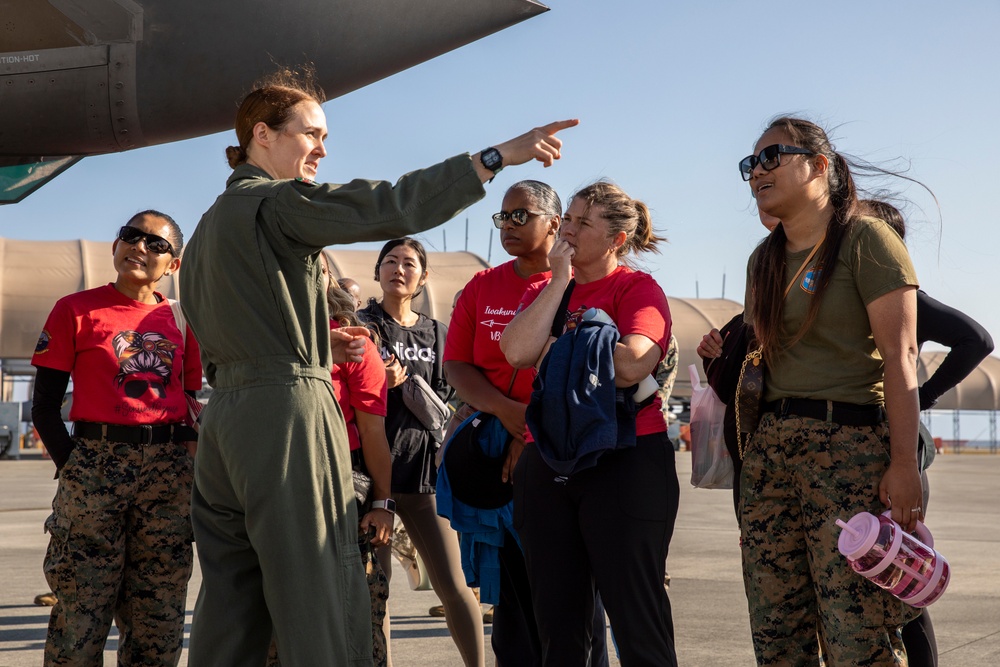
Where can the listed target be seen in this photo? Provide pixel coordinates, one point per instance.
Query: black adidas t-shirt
(419, 348)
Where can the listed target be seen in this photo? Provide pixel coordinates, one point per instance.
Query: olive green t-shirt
(836, 359)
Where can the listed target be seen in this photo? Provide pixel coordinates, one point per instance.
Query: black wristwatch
(389, 505)
(492, 160)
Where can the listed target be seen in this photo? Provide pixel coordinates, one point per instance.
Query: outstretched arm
(539, 144)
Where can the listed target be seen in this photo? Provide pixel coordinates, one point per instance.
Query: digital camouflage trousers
(799, 476)
(120, 548)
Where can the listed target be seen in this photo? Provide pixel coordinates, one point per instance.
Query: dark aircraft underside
(86, 77)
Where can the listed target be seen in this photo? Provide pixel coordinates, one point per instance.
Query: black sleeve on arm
(46, 413)
(968, 341)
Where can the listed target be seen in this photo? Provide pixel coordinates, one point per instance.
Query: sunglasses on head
(519, 216)
(769, 158)
(154, 243)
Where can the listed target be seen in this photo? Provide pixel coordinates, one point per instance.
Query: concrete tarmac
(706, 590)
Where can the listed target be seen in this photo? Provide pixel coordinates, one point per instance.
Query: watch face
(388, 504)
(491, 159)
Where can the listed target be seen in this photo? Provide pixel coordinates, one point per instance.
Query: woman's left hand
(381, 521)
(395, 372)
(710, 346)
(347, 344)
(513, 454)
(900, 491)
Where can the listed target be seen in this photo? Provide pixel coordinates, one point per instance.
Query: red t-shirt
(124, 357)
(637, 305)
(485, 308)
(360, 386)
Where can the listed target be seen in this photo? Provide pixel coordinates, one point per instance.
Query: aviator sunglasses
(769, 158)
(154, 243)
(519, 216)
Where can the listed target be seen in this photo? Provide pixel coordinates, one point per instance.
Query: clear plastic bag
(711, 465)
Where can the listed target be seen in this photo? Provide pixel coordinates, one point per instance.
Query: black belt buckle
(147, 434)
(781, 408)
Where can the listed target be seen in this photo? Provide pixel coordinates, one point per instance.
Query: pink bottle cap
(858, 535)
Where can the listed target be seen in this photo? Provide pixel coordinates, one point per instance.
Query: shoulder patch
(43, 342)
(307, 181)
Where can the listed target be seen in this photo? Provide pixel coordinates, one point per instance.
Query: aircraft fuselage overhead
(86, 77)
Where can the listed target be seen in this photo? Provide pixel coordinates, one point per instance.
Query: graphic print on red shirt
(124, 357)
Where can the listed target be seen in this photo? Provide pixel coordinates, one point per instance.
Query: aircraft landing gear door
(70, 67)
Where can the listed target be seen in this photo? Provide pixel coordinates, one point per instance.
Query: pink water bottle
(908, 567)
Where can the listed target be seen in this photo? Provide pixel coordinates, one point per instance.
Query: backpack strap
(439, 339)
(559, 321)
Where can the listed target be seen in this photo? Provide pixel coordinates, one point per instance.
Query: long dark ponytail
(768, 275)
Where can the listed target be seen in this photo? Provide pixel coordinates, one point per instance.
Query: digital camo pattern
(666, 373)
(120, 547)
(799, 476)
(378, 587)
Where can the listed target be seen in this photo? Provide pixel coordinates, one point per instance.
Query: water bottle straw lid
(858, 535)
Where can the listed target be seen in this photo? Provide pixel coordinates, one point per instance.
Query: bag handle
(788, 289)
(510, 387)
(757, 354)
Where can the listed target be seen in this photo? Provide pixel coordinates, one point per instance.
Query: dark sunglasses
(154, 243)
(769, 158)
(519, 216)
(136, 388)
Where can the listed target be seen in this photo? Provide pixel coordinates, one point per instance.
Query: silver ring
(917, 509)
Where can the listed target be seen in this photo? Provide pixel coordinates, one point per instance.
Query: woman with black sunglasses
(831, 296)
(120, 528)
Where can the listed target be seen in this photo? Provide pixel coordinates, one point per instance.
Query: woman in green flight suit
(273, 505)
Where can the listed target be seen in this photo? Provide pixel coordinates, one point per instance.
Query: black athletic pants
(607, 528)
(515, 634)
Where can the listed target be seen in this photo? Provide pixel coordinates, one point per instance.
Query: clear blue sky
(670, 96)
